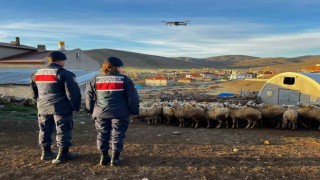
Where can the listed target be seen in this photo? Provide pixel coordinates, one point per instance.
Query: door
(288, 97)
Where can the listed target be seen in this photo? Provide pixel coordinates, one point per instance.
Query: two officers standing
(110, 96)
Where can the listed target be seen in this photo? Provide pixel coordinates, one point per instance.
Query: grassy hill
(145, 61)
(137, 60)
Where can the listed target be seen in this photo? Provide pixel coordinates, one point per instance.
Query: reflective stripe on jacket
(111, 96)
(110, 91)
(55, 90)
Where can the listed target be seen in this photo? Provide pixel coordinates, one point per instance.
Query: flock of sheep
(227, 115)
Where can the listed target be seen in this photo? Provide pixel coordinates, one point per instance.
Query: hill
(138, 60)
(145, 61)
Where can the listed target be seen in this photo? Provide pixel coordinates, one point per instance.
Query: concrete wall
(5, 52)
(76, 59)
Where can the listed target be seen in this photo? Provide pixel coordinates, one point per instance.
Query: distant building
(234, 75)
(312, 69)
(16, 54)
(262, 74)
(207, 75)
(159, 81)
(185, 80)
(185, 72)
(290, 88)
(217, 76)
(195, 76)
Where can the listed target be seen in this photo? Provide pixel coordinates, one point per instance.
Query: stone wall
(22, 91)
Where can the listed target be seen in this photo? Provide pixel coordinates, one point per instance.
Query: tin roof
(314, 76)
(17, 46)
(23, 75)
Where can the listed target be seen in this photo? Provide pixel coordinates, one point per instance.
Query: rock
(18, 103)
(29, 102)
(5, 100)
(145, 179)
(82, 122)
(17, 99)
(266, 142)
(176, 132)
(235, 150)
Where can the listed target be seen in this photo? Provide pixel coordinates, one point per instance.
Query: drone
(176, 23)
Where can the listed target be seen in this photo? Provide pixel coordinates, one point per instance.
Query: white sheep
(251, 115)
(290, 117)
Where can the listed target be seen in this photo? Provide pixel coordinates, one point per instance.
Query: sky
(263, 28)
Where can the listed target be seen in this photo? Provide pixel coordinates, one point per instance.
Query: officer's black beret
(57, 55)
(114, 61)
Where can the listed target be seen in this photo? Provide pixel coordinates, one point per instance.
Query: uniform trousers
(63, 124)
(111, 133)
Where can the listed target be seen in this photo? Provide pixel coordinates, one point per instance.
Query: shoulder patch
(75, 79)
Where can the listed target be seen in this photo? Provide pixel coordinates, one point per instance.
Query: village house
(159, 80)
(207, 75)
(245, 75)
(217, 76)
(18, 62)
(262, 74)
(185, 80)
(15, 54)
(312, 69)
(195, 76)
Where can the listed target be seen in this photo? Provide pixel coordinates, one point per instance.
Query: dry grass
(237, 85)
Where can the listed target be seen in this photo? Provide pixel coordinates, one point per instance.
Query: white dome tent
(290, 87)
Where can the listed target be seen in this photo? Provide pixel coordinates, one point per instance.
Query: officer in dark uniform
(111, 97)
(57, 94)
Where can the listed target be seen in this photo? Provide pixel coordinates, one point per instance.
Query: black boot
(64, 155)
(115, 160)
(105, 159)
(47, 154)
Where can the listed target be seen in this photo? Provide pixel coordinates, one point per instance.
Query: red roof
(195, 75)
(186, 79)
(157, 78)
(312, 69)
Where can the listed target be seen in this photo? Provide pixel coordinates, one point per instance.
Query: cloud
(205, 37)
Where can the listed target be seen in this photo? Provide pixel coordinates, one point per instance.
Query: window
(78, 56)
(289, 80)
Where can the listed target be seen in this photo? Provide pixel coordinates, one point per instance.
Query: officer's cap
(57, 55)
(114, 61)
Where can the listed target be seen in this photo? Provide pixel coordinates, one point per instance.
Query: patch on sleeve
(75, 80)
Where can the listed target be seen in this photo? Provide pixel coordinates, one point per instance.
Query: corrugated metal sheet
(22, 76)
(314, 76)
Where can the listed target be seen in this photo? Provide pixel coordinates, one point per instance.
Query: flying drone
(176, 23)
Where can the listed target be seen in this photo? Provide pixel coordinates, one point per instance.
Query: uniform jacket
(111, 96)
(56, 90)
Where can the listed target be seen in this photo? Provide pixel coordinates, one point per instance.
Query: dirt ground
(155, 152)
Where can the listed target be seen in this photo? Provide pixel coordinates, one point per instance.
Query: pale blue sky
(265, 28)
